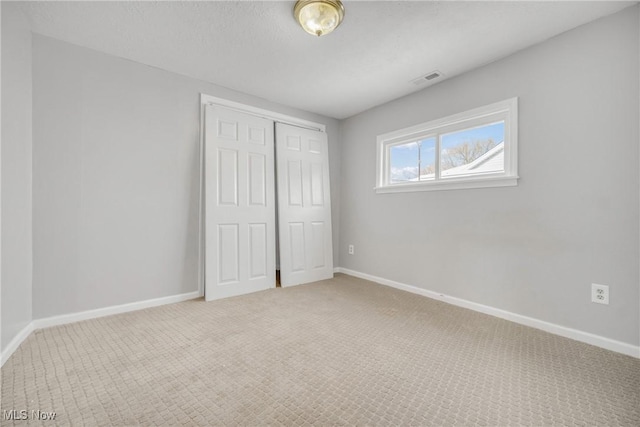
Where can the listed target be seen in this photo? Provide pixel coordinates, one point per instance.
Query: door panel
(296, 230)
(317, 193)
(294, 183)
(239, 203)
(304, 207)
(258, 250)
(317, 246)
(228, 252)
(294, 142)
(257, 179)
(228, 177)
(257, 135)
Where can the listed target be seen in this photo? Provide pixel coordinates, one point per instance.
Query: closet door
(239, 203)
(304, 206)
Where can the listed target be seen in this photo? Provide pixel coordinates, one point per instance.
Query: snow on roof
(491, 161)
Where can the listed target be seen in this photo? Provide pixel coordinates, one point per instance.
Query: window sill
(450, 184)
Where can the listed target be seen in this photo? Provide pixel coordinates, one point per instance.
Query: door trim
(261, 112)
(243, 108)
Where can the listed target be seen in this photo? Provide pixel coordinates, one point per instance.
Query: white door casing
(239, 203)
(304, 205)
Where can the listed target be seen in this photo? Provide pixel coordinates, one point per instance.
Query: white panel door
(304, 206)
(239, 203)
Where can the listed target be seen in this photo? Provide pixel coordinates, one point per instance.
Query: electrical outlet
(599, 293)
(351, 249)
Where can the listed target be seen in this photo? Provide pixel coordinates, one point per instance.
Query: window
(477, 148)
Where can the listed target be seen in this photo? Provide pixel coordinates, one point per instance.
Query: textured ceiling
(257, 48)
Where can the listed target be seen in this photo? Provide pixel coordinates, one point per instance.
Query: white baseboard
(90, 314)
(108, 311)
(15, 343)
(586, 337)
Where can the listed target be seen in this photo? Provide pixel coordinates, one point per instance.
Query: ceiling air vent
(427, 77)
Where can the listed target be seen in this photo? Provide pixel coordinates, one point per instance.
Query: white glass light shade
(318, 17)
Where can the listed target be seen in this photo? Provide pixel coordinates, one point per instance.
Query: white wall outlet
(351, 249)
(599, 293)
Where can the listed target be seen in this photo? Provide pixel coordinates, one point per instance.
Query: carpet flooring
(338, 352)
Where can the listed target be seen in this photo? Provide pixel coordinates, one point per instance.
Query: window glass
(473, 151)
(413, 161)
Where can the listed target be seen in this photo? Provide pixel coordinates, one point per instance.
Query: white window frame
(506, 111)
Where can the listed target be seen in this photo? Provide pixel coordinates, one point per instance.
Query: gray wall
(16, 173)
(573, 219)
(116, 180)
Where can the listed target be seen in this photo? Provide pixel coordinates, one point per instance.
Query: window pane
(404, 162)
(473, 151)
(407, 159)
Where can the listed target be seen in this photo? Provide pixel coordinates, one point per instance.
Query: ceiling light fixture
(318, 17)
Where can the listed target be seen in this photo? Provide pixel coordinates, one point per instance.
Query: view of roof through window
(472, 151)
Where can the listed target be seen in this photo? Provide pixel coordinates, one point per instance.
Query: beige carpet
(338, 352)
